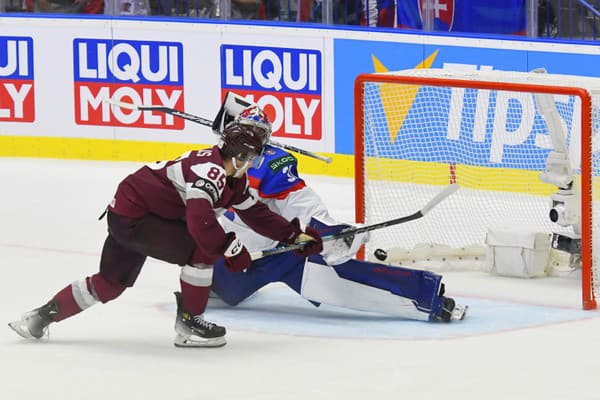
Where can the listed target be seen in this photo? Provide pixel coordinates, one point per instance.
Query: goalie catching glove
(342, 250)
(313, 244)
(339, 251)
(236, 255)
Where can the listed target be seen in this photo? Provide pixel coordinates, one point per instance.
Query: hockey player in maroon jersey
(169, 211)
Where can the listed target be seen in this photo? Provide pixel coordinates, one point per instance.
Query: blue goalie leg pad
(423, 287)
(234, 287)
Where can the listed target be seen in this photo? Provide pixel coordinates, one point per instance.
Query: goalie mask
(245, 137)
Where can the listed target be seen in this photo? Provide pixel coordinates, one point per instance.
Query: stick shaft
(340, 235)
(301, 151)
(207, 122)
(450, 189)
(177, 113)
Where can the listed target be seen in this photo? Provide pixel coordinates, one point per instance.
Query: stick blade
(122, 104)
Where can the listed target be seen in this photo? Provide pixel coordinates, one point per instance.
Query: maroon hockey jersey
(195, 187)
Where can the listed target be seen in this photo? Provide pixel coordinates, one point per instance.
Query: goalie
(333, 277)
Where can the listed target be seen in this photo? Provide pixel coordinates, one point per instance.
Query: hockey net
(492, 132)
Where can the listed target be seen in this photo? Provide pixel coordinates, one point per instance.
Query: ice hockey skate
(34, 324)
(194, 331)
(452, 311)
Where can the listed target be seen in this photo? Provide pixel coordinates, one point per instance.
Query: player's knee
(106, 290)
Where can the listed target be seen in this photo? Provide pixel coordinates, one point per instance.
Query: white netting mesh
(493, 143)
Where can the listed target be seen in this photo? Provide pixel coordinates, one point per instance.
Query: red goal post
(416, 130)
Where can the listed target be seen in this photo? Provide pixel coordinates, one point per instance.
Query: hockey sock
(83, 294)
(195, 288)
(194, 298)
(67, 305)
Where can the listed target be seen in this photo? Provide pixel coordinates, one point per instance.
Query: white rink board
(54, 65)
(60, 65)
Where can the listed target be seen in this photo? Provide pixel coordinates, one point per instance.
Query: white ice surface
(523, 339)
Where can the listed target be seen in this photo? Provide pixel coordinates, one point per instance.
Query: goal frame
(587, 290)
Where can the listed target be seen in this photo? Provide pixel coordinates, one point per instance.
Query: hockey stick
(207, 122)
(301, 151)
(450, 189)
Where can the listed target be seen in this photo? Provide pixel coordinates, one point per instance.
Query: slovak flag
(473, 16)
(442, 11)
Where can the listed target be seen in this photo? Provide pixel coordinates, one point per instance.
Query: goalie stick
(450, 189)
(207, 122)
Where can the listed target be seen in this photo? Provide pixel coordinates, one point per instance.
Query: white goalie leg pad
(320, 283)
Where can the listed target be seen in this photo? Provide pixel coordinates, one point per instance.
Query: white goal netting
(419, 130)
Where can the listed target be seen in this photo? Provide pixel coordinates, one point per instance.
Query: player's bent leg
(150, 235)
(119, 267)
(71, 300)
(191, 329)
(105, 289)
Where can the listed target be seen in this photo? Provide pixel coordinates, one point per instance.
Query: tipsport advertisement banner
(497, 129)
(353, 57)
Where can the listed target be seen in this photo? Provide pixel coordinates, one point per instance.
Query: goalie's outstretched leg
(195, 331)
(452, 311)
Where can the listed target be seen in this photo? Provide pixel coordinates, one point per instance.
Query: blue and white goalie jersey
(277, 184)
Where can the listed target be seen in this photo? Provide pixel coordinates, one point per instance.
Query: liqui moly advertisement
(138, 72)
(285, 82)
(17, 84)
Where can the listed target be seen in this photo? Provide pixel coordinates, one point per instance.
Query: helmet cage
(256, 119)
(245, 137)
(242, 142)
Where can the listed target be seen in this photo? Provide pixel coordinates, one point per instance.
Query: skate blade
(23, 331)
(183, 341)
(459, 312)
